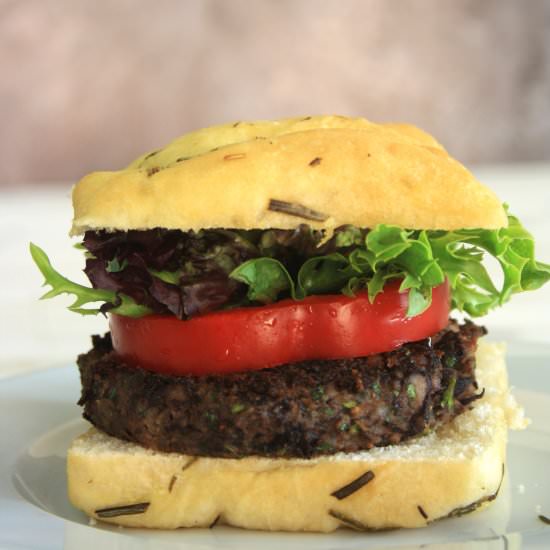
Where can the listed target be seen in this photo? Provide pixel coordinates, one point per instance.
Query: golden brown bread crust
(351, 170)
(413, 484)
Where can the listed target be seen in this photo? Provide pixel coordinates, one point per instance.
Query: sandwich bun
(326, 171)
(346, 170)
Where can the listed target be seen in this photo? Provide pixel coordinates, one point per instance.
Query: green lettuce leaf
(356, 260)
(324, 275)
(266, 279)
(422, 260)
(460, 254)
(122, 304)
(398, 253)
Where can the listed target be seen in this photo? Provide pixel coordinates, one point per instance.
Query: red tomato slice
(317, 327)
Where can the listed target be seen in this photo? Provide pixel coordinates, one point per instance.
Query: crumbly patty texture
(296, 410)
(339, 167)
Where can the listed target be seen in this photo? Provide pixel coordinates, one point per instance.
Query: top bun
(326, 171)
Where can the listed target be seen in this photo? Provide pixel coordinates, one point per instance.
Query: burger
(281, 354)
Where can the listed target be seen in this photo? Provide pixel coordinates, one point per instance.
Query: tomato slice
(317, 327)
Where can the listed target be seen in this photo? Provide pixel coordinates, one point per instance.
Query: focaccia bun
(345, 170)
(452, 471)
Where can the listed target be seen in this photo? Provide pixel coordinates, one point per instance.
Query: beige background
(88, 84)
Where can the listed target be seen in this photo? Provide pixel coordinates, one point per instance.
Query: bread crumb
(92, 522)
(521, 489)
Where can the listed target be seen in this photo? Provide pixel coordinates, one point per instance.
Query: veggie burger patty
(296, 410)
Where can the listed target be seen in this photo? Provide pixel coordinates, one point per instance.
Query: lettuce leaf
(265, 277)
(213, 269)
(324, 275)
(460, 254)
(422, 259)
(120, 303)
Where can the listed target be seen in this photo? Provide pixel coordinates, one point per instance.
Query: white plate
(38, 418)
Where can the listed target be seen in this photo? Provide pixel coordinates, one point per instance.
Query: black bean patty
(295, 410)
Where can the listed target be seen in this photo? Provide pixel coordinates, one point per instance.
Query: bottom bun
(452, 471)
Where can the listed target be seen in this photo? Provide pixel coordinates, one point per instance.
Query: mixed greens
(185, 273)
